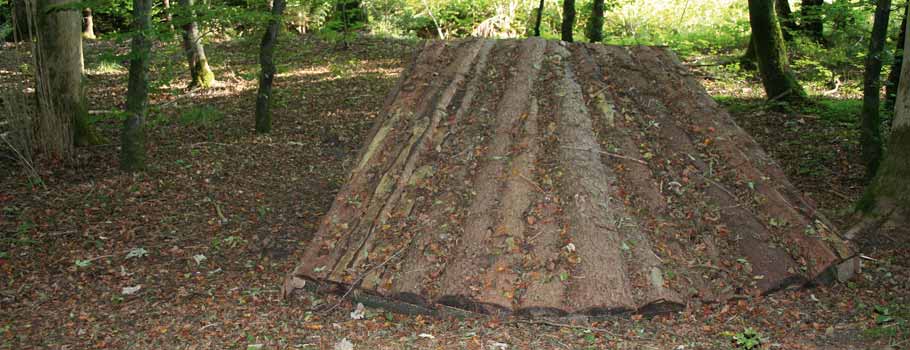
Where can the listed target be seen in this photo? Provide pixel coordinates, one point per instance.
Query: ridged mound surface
(543, 178)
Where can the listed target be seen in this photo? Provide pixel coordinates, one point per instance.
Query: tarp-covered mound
(539, 177)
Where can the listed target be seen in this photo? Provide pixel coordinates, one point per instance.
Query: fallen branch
(611, 154)
(546, 322)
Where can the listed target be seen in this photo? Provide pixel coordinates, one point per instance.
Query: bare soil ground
(191, 254)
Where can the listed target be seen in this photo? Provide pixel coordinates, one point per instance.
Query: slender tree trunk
(749, 59)
(538, 19)
(811, 19)
(266, 55)
(132, 136)
(785, 15)
(778, 80)
(22, 25)
(568, 19)
(595, 30)
(201, 74)
(887, 199)
(894, 75)
(168, 16)
(870, 133)
(61, 99)
(88, 25)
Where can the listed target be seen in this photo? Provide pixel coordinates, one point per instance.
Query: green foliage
(748, 339)
(890, 321)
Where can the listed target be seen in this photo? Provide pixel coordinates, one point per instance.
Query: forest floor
(192, 253)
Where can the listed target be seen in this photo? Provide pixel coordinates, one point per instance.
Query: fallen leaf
(131, 290)
(344, 344)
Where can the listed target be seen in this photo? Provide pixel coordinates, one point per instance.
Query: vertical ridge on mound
(543, 178)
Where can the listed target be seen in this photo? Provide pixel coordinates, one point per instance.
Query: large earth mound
(543, 178)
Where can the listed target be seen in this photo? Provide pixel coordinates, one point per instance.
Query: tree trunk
(88, 25)
(870, 133)
(568, 19)
(538, 19)
(168, 16)
(201, 75)
(22, 21)
(894, 75)
(749, 59)
(778, 80)
(266, 55)
(449, 194)
(811, 19)
(595, 29)
(785, 15)
(132, 137)
(887, 199)
(61, 99)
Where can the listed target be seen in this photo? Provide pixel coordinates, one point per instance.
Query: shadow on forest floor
(191, 254)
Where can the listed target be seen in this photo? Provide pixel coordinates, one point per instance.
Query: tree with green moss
(201, 74)
(595, 28)
(771, 53)
(63, 115)
(88, 24)
(267, 74)
(132, 137)
(870, 135)
(568, 19)
(887, 199)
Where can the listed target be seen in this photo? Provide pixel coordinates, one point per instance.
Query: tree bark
(870, 133)
(771, 51)
(887, 199)
(266, 56)
(595, 29)
(538, 19)
(61, 99)
(749, 59)
(22, 25)
(418, 222)
(894, 75)
(201, 75)
(88, 25)
(568, 19)
(132, 137)
(811, 21)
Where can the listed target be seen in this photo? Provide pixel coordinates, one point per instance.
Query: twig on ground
(550, 323)
(611, 154)
(361, 277)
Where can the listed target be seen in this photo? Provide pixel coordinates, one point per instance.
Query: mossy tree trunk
(201, 74)
(22, 26)
(771, 51)
(132, 137)
(894, 75)
(63, 121)
(870, 133)
(267, 74)
(538, 19)
(749, 59)
(811, 21)
(568, 19)
(88, 24)
(595, 28)
(887, 199)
